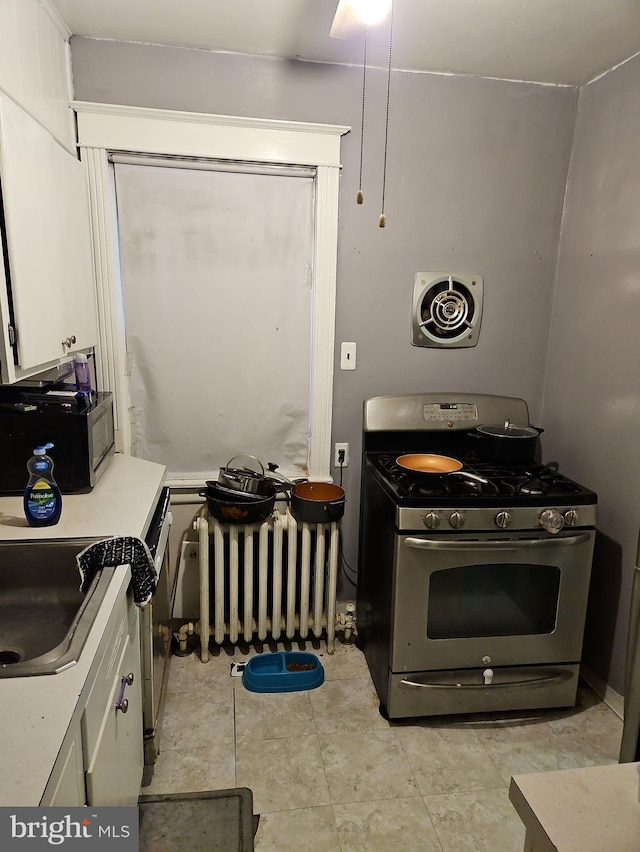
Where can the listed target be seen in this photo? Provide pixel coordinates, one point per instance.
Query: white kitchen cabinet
(66, 785)
(101, 759)
(47, 298)
(112, 727)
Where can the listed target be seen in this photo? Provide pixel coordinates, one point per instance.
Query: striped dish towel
(124, 550)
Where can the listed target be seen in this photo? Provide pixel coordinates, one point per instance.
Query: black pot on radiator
(240, 509)
(317, 502)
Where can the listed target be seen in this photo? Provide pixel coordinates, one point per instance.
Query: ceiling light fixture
(353, 16)
(371, 12)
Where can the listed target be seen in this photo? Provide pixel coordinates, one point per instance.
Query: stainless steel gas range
(472, 585)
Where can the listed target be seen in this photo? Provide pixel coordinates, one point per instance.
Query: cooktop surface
(478, 483)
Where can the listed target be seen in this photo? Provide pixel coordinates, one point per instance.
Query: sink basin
(44, 618)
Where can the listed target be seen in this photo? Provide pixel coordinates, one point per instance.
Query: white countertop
(595, 809)
(36, 711)
(122, 503)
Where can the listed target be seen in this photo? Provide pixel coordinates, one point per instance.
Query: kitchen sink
(44, 618)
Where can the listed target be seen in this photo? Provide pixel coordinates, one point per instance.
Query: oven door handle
(503, 546)
(541, 680)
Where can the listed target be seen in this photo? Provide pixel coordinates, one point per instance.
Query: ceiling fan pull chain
(382, 221)
(360, 196)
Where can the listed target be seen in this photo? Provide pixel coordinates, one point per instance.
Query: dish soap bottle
(42, 497)
(83, 374)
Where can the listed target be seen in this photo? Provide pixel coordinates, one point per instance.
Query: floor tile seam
(293, 810)
(354, 729)
(210, 692)
(193, 690)
(252, 741)
(490, 786)
(477, 790)
(433, 825)
(494, 762)
(330, 678)
(407, 757)
(469, 736)
(219, 708)
(235, 740)
(366, 731)
(309, 736)
(418, 795)
(356, 682)
(191, 751)
(377, 799)
(324, 769)
(366, 801)
(416, 769)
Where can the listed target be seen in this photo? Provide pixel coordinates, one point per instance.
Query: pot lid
(508, 430)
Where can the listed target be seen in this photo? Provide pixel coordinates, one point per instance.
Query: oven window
(492, 600)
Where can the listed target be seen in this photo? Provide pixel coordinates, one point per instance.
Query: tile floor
(329, 773)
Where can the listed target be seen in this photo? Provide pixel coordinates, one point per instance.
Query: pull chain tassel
(360, 195)
(382, 221)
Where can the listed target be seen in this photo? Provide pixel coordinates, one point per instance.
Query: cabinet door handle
(123, 703)
(69, 341)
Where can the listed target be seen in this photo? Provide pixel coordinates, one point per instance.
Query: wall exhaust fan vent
(447, 309)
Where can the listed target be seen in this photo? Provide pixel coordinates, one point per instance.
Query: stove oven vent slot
(273, 579)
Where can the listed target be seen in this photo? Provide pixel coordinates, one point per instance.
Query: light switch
(348, 356)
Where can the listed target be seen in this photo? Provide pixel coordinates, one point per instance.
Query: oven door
(463, 601)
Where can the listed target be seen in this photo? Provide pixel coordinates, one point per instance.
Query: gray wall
(592, 394)
(476, 177)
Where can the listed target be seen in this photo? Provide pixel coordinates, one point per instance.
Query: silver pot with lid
(509, 430)
(248, 480)
(244, 479)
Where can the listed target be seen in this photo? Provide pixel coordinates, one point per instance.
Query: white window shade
(217, 295)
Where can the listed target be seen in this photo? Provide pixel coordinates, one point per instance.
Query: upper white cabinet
(47, 305)
(35, 64)
(46, 273)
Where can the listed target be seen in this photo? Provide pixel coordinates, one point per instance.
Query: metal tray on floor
(213, 820)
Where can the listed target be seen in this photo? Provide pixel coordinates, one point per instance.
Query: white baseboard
(609, 695)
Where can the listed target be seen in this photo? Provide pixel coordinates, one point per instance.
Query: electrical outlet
(340, 460)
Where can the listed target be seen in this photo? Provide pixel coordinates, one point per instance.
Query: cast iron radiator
(273, 579)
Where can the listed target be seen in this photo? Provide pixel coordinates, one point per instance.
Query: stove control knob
(503, 519)
(457, 520)
(432, 520)
(571, 517)
(551, 520)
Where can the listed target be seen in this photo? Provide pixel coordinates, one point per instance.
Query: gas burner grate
(508, 481)
(441, 486)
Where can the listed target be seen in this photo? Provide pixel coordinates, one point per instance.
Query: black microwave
(82, 434)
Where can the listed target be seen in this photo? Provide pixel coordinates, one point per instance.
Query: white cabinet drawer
(114, 771)
(103, 685)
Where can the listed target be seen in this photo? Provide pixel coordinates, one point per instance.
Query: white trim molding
(106, 128)
(195, 134)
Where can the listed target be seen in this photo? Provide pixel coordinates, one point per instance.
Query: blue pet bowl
(284, 671)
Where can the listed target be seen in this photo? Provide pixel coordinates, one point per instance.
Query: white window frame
(106, 128)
